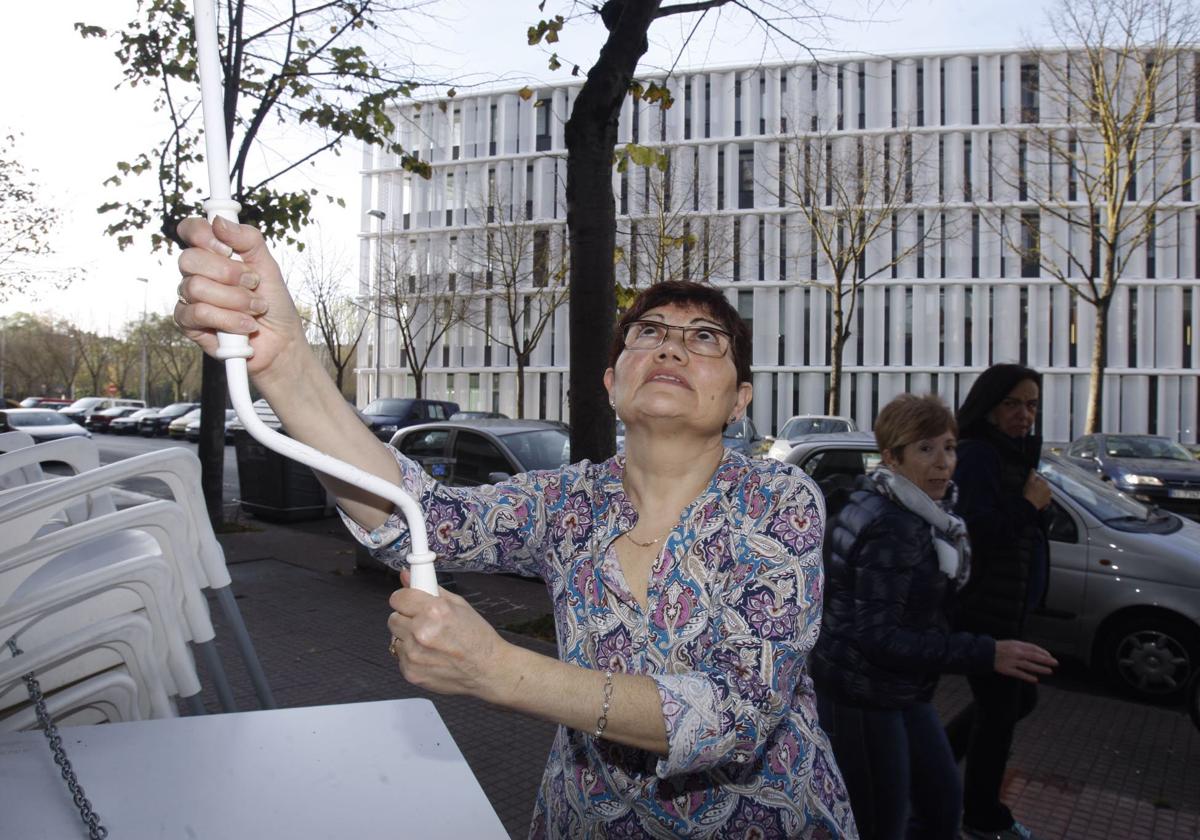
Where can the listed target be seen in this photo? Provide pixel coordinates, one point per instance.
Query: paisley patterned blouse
(734, 608)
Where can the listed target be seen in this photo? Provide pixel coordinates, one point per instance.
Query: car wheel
(1152, 656)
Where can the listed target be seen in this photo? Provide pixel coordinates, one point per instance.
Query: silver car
(1124, 592)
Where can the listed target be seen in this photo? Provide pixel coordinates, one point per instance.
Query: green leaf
(525, 93)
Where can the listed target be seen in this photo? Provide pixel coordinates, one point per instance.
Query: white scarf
(949, 531)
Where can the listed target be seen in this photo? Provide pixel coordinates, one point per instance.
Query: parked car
(192, 431)
(459, 416)
(1152, 469)
(1124, 590)
(177, 427)
(388, 415)
(85, 407)
(157, 423)
(128, 425)
(41, 424)
(465, 454)
(53, 403)
(98, 422)
(801, 426)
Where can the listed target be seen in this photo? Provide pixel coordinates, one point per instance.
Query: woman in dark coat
(897, 555)
(1001, 497)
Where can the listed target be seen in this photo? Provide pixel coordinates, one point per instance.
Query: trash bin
(274, 487)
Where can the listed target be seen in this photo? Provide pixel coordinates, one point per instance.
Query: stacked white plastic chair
(72, 566)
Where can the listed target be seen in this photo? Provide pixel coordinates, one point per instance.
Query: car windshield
(114, 412)
(544, 449)
(1144, 446)
(798, 426)
(37, 418)
(142, 412)
(175, 410)
(85, 403)
(388, 407)
(1099, 497)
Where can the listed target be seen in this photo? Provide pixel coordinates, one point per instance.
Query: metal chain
(90, 818)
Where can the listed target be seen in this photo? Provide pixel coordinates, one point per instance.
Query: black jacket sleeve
(990, 514)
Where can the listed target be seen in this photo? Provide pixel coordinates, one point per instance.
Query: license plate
(1184, 494)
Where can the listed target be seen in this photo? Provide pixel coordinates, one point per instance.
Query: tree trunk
(835, 358)
(212, 437)
(1095, 407)
(521, 388)
(419, 384)
(591, 135)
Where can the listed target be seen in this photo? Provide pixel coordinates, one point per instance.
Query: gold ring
(392, 647)
(183, 300)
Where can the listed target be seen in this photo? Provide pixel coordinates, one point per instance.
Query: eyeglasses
(1014, 404)
(650, 335)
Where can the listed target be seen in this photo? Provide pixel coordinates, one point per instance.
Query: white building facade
(932, 322)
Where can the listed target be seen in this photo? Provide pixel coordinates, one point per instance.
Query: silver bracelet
(602, 721)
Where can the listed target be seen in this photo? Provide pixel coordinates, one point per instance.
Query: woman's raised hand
(219, 293)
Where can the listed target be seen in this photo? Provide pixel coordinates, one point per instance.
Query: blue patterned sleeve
(490, 528)
(766, 620)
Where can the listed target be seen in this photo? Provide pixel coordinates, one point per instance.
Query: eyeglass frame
(684, 331)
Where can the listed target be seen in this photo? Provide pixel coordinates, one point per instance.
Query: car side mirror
(497, 476)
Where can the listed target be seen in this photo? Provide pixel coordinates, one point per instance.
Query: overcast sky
(59, 95)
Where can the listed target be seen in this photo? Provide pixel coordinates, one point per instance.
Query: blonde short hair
(909, 418)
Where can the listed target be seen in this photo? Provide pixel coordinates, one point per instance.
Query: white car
(1124, 589)
(801, 426)
(41, 424)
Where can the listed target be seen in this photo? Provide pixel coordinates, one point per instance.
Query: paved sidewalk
(1085, 765)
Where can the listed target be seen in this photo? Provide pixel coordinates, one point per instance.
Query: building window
(720, 179)
(783, 252)
(941, 169)
(687, 110)
(1029, 92)
(737, 250)
(974, 91)
(492, 128)
(841, 105)
(908, 169)
(1151, 248)
(813, 79)
(456, 129)
(1031, 243)
(541, 258)
(762, 249)
(737, 108)
(975, 244)
(1002, 91)
(707, 107)
(1131, 194)
(920, 94)
(1186, 187)
(1151, 84)
(991, 170)
(1072, 171)
(783, 76)
(828, 173)
(920, 246)
(967, 191)
(862, 96)
(449, 198)
(529, 191)
(1022, 170)
(542, 110)
(894, 75)
(745, 177)
(941, 93)
(762, 104)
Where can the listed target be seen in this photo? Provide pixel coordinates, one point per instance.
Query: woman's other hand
(246, 296)
(443, 644)
(1023, 660)
(1037, 491)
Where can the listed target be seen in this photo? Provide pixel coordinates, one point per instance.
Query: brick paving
(1086, 764)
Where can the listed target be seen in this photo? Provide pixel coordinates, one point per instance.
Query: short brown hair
(686, 293)
(910, 418)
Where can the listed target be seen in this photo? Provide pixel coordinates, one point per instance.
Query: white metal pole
(235, 349)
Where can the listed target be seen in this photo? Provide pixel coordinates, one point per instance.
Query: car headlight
(1134, 480)
(388, 427)
(779, 450)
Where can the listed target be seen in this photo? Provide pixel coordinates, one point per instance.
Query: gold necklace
(629, 536)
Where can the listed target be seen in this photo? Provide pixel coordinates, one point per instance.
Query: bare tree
(176, 355)
(518, 272)
(335, 321)
(853, 192)
(92, 352)
(425, 304)
(672, 231)
(1103, 166)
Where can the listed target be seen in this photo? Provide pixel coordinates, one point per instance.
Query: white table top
(349, 772)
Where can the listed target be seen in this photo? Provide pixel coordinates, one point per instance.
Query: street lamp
(145, 292)
(380, 215)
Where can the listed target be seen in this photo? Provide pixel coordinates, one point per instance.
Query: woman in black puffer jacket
(897, 555)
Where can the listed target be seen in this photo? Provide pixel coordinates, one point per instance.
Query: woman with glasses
(686, 579)
(1001, 497)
